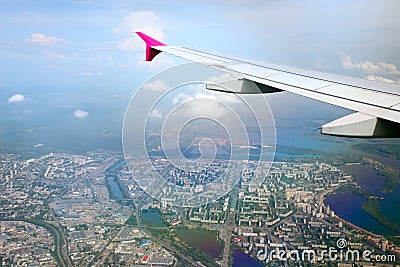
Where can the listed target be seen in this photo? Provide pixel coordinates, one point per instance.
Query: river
(114, 187)
(348, 205)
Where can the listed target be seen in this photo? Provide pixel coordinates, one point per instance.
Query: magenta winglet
(150, 42)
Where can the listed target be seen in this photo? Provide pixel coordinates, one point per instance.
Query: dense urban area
(86, 210)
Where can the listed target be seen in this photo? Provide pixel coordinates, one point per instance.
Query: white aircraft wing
(377, 104)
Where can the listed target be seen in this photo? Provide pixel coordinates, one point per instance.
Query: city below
(87, 210)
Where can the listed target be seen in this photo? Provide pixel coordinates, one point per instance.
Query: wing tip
(150, 42)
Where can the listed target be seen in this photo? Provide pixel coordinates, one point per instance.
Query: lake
(204, 240)
(153, 217)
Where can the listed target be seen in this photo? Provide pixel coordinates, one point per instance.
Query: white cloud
(204, 106)
(369, 67)
(41, 39)
(389, 68)
(81, 114)
(380, 71)
(156, 114)
(183, 97)
(380, 79)
(213, 104)
(16, 98)
(157, 85)
(217, 96)
(144, 21)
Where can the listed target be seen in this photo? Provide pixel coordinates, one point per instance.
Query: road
(226, 235)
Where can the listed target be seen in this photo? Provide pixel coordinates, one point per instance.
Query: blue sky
(81, 56)
(47, 41)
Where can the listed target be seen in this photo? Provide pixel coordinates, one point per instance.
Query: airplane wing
(377, 104)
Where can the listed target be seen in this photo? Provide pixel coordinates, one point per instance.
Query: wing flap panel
(254, 70)
(361, 95)
(299, 81)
